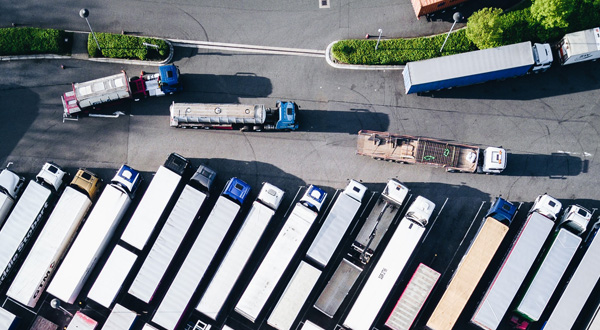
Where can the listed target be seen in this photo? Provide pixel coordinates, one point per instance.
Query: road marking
(248, 48)
(585, 154)
(434, 220)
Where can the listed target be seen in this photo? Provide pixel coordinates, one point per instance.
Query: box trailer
(201, 254)
(120, 318)
(473, 265)
(94, 235)
(388, 268)
(81, 321)
(8, 320)
(10, 188)
(111, 277)
(578, 289)
(308, 325)
(54, 239)
(476, 67)
(155, 200)
(296, 292)
(171, 236)
(29, 212)
(579, 46)
(519, 259)
(241, 249)
(555, 261)
(336, 223)
(380, 218)
(594, 323)
(413, 298)
(280, 254)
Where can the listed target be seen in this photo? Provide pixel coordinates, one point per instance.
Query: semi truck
(27, 214)
(200, 255)
(550, 270)
(426, 7)
(120, 318)
(408, 149)
(81, 321)
(413, 298)
(10, 187)
(579, 46)
(388, 268)
(473, 265)
(94, 235)
(8, 320)
(154, 202)
(54, 239)
(280, 254)
(185, 211)
(86, 96)
(519, 259)
(245, 242)
(245, 117)
(111, 277)
(476, 67)
(579, 288)
(385, 210)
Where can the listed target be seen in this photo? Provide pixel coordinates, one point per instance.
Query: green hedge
(400, 51)
(27, 40)
(128, 47)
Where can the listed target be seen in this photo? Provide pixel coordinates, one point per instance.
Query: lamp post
(84, 13)
(54, 303)
(378, 38)
(457, 17)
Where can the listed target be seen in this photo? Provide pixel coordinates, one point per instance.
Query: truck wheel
(257, 128)
(245, 128)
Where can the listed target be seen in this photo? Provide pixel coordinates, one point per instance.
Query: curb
(331, 61)
(34, 57)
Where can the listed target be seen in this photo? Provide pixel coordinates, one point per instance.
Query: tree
(484, 28)
(553, 14)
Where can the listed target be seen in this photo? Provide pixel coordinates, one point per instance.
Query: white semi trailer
(579, 46)
(120, 318)
(171, 236)
(391, 264)
(281, 253)
(53, 242)
(155, 200)
(239, 252)
(94, 235)
(27, 214)
(111, 277)
(201, 254)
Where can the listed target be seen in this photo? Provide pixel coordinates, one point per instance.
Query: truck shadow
(333, 121)
(557, 80)
(554, 166)
(21, 102)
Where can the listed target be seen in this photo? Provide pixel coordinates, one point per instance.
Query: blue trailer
(476, 67)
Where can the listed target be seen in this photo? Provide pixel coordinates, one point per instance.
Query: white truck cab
(313, 198)
(395, 191)
(547, 206)
(10, 183)
(494, 160)
(420, 211)
(52, 175)
(355, 190)
(576, 218)
(270, 195)
(542, 55)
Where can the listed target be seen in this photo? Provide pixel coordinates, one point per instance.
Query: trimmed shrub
(27, 41)
(399, 51)
(485, 28)
(127, 47)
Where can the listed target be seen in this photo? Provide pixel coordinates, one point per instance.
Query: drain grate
(323, 3)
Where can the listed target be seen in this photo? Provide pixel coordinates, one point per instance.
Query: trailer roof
(221, 110)
(480, 61)
(101, 86)
(582, 42)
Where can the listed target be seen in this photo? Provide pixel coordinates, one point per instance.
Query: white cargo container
(516, 265)
(280, 254)
(308, 325)
(170, 237)
(578, 290)
(81, 321)
(27, 214)
(155, 200)
(94, 235)
(294, 296)
(111, 277)
(148, 327)
(10, 186)
(8, 320)
(52, 243)
(390, 265)
(335, 225)
(201, 254)
(239, 252)
(413, 298)
(120, 318)
(579, 46)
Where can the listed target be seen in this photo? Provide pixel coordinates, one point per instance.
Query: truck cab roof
(576, 218)
(127, 179)
(87, 182)
(236, 190)
(177, 163)
(395, 191)
(355, 190)
(547, 206)
(51, 174)
(10, 182)
(169, 76)
(494, 160)
(420, 211)
(270, 195)
(204, 176)
(542, 54)
(314, 197)
(502, 210)
(287, 115)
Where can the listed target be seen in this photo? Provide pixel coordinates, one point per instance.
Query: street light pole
(84, 13)
(457, 17)
(378, 38)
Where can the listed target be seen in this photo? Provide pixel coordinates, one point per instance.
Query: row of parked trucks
(67, 249)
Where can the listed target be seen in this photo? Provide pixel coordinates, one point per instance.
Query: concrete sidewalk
(79, 46)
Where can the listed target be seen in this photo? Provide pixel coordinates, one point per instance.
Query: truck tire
(257, 128)
(245, 128)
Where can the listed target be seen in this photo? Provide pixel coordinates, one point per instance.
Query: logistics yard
(547, 124)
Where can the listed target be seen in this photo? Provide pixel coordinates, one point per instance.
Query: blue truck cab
(502, 210)
(287, 116)
(169, 79)
(313, 198)
(236, 190)
(127, 180)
